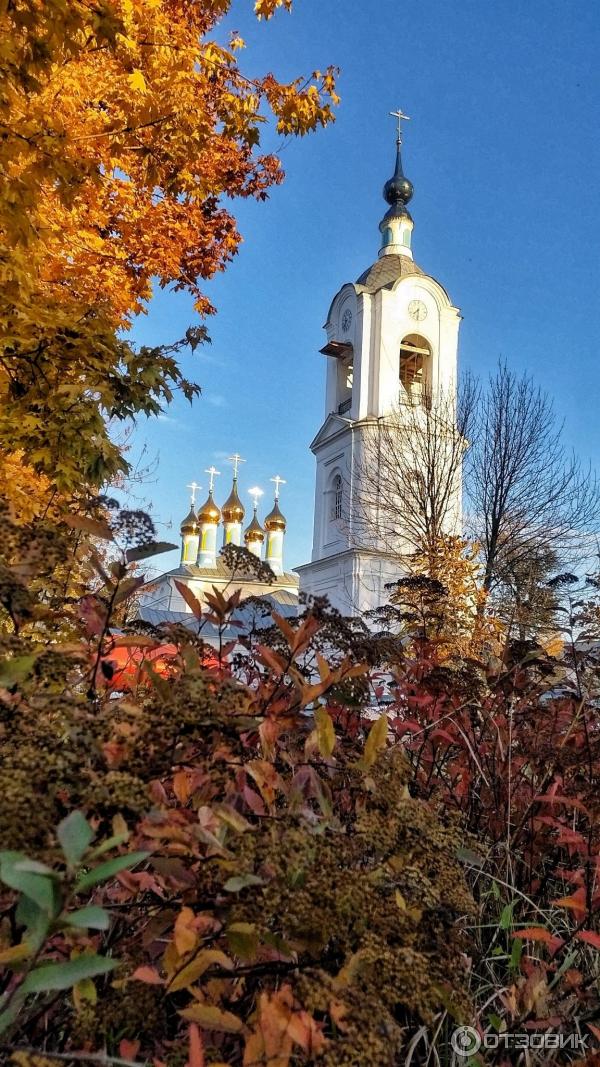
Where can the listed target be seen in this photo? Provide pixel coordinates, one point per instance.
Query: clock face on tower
(417, 310)
(346, 320)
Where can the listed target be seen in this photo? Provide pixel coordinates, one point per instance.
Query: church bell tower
(392, 339)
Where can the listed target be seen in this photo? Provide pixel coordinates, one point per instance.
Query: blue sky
(503, 151)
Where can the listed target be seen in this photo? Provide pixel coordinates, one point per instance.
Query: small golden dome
(190, 523)
(233, 509)
(254, 532)
(275, 520)
(209, 511)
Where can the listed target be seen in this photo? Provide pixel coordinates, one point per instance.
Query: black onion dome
(190, 523)
(275, 520)
(233, 510)
(398, 190)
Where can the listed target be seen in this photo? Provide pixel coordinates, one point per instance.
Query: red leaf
(589, 937)
(196, 1057)
(576, 902)
(534, 933)
(569, 802)
(129, 1049)
(192, 602)
(147, 974)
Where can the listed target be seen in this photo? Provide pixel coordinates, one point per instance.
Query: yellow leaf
(137, 82)
(375, 741)
(192, 971)
(211, 1018)
(325, 732)
(84, 992)
(15, 953)
(400, 901)
(185, 936)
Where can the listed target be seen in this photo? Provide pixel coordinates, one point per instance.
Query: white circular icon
(465, 1041)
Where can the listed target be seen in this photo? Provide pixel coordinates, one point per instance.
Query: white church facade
(392, 340)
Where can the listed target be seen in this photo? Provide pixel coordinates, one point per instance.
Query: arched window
(345, 378)
(388, 236)
(336, 498)
(415, 371)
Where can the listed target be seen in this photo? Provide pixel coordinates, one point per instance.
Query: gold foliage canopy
(122, 126)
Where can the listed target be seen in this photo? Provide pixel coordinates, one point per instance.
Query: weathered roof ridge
(387, 270)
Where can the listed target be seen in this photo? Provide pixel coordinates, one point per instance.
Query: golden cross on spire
(399, 114)
(278, 481)
(194, 487)
(212, 471)
(236, 459)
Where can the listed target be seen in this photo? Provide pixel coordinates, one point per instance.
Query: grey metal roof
(190, 570)
(386, 271)
(247, 614)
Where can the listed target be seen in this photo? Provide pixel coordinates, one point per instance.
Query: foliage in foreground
(198, 870)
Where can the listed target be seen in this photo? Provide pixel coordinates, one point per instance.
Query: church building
(205, 531)
(392, 340)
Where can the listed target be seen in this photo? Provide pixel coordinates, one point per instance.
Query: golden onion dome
(233, 509)
(275, 520)
(190, 523)
(254, 532)
(209, 511)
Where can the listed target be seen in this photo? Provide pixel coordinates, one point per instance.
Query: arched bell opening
(415, 371)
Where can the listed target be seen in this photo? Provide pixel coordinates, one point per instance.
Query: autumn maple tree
(123, 126)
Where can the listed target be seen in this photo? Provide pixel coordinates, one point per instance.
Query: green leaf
(467, 855)
(35, 920)
(16, 669)
(515, 955)
(64, 975)
(325, 732)
(109, 869)
(506, 918)
(75, 835)
(8, 1017)
(35, 867)
(241, 881)
(243, 940)
(93, 918)
(145, 551)
(496, 1022)
(40, 888)
(111, 842)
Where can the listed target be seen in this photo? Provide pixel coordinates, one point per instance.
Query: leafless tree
(409, 482)
(529, 497)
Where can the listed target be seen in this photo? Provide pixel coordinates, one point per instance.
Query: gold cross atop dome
(194, 487)
(236, 459)
(399, 114)
(278, 481)
(212, 471)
